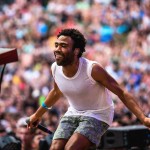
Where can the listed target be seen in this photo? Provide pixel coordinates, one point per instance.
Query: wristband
(45, 106)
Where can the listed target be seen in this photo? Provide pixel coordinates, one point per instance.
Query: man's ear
(76, 51)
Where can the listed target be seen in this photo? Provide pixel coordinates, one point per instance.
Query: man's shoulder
(89, 61)
(86, 60)
(53, 68)
(54, 63)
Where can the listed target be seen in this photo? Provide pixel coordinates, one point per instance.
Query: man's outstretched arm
(101, 76)
(51, 98)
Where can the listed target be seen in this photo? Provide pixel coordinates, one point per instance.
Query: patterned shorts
(90, 127)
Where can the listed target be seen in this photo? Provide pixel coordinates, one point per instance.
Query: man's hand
(33, 121)
(146, 122)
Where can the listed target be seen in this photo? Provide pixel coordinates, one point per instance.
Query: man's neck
(72, 69)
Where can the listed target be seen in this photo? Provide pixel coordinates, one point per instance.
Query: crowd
(118, 37)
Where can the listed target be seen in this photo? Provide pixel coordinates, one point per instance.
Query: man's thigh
(66, 127)
(64, 131)
(79, 142)
(58, 144)
(92, 129)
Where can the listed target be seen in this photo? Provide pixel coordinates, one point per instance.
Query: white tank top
(85, 96)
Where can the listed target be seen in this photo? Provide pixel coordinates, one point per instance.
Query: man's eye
(61, 45)
(64, 45)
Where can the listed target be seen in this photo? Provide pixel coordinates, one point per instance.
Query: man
(85, 84)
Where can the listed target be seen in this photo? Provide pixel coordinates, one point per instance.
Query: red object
(8, 55)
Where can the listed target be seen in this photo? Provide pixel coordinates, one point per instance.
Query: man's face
(25, 135)
(63, 52)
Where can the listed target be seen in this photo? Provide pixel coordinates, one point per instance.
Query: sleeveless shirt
(85, 96)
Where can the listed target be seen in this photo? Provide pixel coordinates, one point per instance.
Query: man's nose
(58, 48)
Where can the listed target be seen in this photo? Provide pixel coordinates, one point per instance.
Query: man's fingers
(28, 123)
(35, 123)
(31, 124)
(28, 120)
(28, 127)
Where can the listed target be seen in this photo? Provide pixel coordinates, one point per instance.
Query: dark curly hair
(77, 37)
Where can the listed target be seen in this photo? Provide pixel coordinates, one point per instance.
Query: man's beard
(64, 60)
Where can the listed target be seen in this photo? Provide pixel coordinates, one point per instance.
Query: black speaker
(126, 137)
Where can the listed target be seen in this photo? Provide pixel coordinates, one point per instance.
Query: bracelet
(45, 106)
